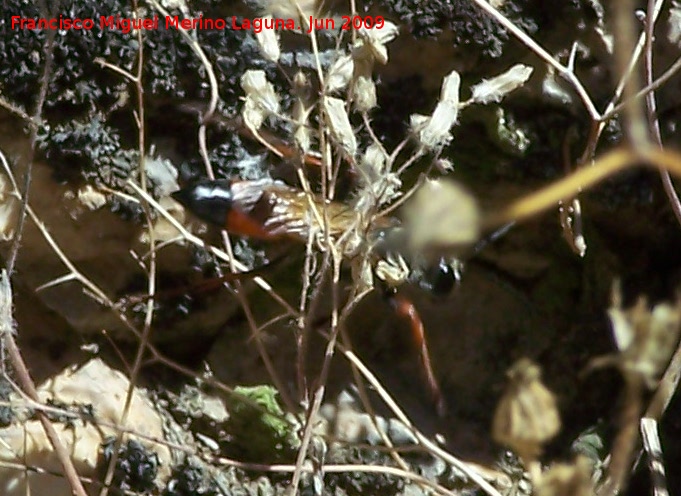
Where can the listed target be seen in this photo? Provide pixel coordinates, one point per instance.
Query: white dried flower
(339, 74)
(493, 90)
(302, 131)
(339, 124)
(261, 91)
(393, 270)
(372, 165)
(261, 99)
(444, 165)
(162, 173)
(378, 186)
(433, 132)
(364, 94)
(253, 114)
(268, 39)
(8, 209)
(91, 197)
(451, 85)
(301, 111)
(418, 122)
(373, 41)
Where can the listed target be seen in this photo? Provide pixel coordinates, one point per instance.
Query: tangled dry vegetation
(114, 123)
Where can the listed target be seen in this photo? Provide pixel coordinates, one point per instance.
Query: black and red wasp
(269, 210)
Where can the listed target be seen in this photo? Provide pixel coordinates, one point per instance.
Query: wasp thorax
(526, 416)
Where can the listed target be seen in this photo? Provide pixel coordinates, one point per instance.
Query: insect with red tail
(270, 211)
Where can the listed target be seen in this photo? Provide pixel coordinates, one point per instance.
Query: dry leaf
(563, 479)
(526, 416)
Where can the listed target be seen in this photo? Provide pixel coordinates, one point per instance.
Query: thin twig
(564, 71)
(151, 289)
(606, 166)
(48, 49)
(27, 384)
(651, 113)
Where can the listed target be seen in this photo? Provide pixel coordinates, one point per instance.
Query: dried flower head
(268, 39)
(527, 415)
(646, 338)
(563, 479)
(364, 94)
(493, 90)
(291, 9)
(301, 111)
(393, 270)
(339, 74)
(371, 42)
(261, 99)
(433, 132)
(378, 185)
(442, 217)
(339, 125)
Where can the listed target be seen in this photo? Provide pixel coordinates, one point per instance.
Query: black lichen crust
(88, 131)
(469, 25)
(136, 467)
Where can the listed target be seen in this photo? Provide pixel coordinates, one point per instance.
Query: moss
(258, 434)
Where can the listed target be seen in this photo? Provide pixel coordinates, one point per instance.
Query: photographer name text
(257, 25)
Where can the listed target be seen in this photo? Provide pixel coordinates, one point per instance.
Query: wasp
(269, 210)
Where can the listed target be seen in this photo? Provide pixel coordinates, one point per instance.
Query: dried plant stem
(318, 394)
(651, 111)
(24, 378)
(666, 76)
(621, 454)
(565, 72)
(651, 441)
(428, 444)
(48, 50)
(151, 275)
(612, 163)
(7, 105)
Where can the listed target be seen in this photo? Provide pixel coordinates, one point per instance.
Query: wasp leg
(406, 309)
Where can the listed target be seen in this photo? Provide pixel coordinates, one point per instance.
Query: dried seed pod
(563, 479)
(495, 89)
(527, 415)
(646, 338)
(442, 218)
